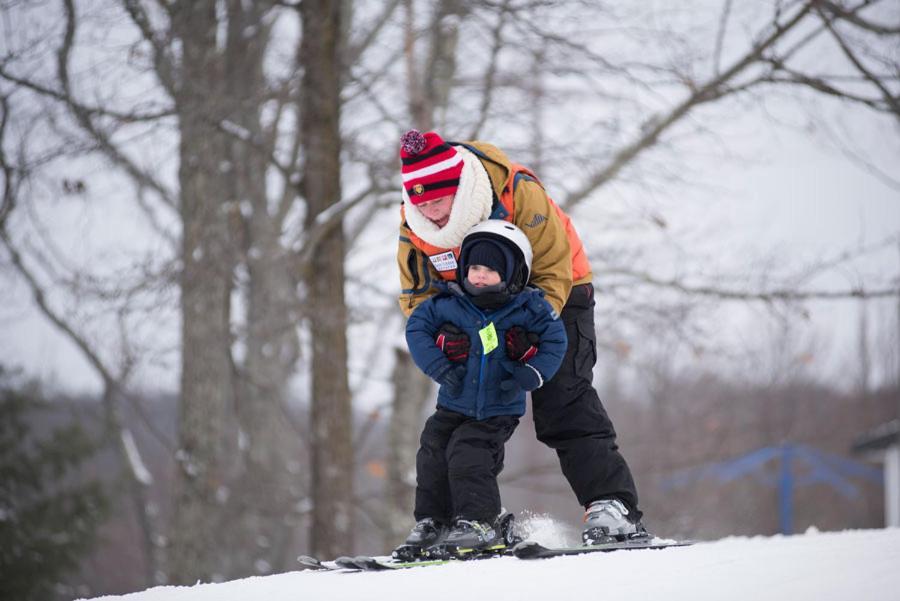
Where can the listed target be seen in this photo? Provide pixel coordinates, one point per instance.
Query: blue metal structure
(827, 468)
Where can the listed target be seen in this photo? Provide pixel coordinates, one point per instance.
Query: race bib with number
(444, 261)
(488, 336)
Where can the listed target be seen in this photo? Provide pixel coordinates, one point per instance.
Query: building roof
(879, 437)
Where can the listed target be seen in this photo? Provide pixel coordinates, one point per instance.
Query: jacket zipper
(479, 397)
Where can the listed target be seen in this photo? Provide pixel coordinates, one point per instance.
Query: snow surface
(853, 565)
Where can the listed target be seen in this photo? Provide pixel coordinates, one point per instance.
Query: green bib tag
(488, 338)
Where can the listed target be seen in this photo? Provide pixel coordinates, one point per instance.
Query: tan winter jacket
(551, 268)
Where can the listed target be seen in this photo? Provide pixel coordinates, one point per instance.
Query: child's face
(481, 276)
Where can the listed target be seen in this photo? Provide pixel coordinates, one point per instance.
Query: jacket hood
(495, 162)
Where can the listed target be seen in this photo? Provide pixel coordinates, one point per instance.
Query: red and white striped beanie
(430, 167)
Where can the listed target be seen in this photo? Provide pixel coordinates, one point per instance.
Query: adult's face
(437, 211)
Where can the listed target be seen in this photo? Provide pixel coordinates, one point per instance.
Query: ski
(311, 563)
(364, 563)
(533, 550)
(347, 563)
(436, 558)
(375, 564)
(437, 555)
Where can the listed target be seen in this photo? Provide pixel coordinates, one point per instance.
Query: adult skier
(447, 189)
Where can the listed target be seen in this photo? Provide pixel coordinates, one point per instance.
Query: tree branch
(767, 296)
(892, 101)
(852, 17)
(163, 65)
(821, 85)
(653, 128)
(9, 174)
(91, 111)
(84, 118)
(355, 51)
(720, 35)
(490, 73)
(324, 223)
(110, 381)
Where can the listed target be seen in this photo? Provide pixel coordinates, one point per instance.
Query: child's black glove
(454, 342)
(451, 379)
(521, 345)
(524, 377)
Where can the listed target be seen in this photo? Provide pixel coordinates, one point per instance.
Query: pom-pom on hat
(430, 167)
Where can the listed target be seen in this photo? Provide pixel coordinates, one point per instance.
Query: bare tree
(330, 419)
(19, 174)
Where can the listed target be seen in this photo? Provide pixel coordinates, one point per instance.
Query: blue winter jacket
(480, 397)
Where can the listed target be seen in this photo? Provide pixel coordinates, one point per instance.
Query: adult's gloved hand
(521, 345)
(451, 379)
(524, 377)
(454, 342)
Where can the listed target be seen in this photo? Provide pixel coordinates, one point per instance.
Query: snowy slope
(852, 565)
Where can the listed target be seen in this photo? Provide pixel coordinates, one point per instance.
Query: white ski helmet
(508, 237)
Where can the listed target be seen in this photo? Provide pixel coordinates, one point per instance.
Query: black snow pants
(569, 417)
(457, 466)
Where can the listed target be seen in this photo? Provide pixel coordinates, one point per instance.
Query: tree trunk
(264, 499)
(331, 418)
(261, 500)
(205, 426)
(412, 389)
(865, 359)
(429, 84)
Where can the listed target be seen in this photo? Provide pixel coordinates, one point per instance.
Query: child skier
(481, 399)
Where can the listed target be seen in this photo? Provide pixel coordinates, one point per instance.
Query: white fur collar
(471, 206)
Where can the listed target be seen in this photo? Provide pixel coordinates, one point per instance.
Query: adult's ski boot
(606, 521)
(426, 533)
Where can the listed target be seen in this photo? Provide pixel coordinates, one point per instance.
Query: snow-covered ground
(859, 565)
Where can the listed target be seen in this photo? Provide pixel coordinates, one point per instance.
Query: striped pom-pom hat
(430, 167)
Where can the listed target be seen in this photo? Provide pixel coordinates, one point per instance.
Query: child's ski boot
(506, 523)
(426, 533)
(469, 538)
